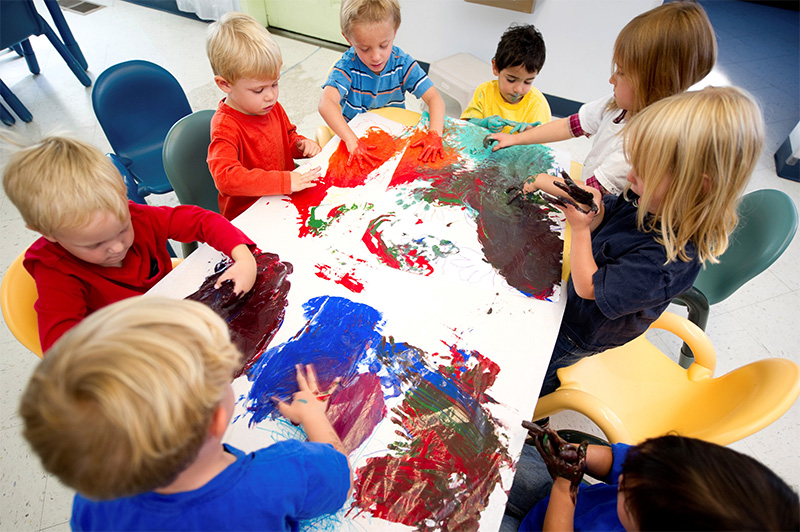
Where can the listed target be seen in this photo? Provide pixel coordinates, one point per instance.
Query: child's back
(129, 409)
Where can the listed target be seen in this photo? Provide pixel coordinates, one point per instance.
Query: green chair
(184, 154)
(767, 224)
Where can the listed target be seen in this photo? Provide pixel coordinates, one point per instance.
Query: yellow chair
(635, 391)
(402, 116)
(17, 297)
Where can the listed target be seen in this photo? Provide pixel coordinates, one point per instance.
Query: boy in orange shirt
(253, 144)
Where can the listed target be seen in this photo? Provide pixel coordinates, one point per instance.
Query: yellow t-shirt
(487, 101)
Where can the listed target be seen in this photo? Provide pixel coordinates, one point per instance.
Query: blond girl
(661, 52)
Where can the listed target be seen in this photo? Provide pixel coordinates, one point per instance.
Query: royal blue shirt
(270, 489)
(361, 89)
(632, 285)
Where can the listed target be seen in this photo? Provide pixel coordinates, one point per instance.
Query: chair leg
(698, 307)
(62, 50)
(30, 57)
(65, 32)
(5, 116)
(17, 48)
(14, 103)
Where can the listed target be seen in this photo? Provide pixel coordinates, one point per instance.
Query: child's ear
(494, 68)
(347, 39)
(223, 84)
(219, 422)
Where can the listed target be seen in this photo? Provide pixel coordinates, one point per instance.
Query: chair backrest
(18, 21)
(136, 103)
(185, 152)
(767, 224)
(17, 296)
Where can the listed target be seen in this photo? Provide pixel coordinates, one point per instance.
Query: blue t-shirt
(596, 508)
(632, 285)
(361, 89)
(270, 489)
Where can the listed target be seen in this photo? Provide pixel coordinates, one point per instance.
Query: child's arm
(330, 112)
(549, 132)
(560, 515)
(431, 143)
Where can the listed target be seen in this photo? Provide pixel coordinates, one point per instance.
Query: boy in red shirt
(96, 246)
(253, 144)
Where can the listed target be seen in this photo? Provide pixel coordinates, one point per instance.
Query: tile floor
(760, 320)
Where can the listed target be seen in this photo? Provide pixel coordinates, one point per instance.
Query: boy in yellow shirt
(511, 102)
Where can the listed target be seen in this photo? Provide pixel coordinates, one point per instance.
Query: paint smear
(255, 317)
(347, 279)
(342, 175)
(355, 410)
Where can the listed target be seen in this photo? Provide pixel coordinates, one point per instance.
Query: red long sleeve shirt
(71, 289)
(251, 156)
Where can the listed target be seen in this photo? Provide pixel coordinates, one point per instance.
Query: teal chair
(184, 155)
(767, 224)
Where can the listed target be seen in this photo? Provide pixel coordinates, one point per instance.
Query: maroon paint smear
(348, 280)
(255, 317)
(341, 174)
(355, 410)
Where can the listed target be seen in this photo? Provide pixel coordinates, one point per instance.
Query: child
(666, 483)
(374, 73)
(96, 247)
(516, 63)
(252, 141)
(130, 407)
(661, 52)
(691, 156)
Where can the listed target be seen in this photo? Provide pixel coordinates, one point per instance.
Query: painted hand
(305, 180)
(577, 196)
(562, 459)
(307, 147)
(493, 123)
(431, 145)
(242, 272)
(360, 155)
(309, 401)
(503, 140)
(524, 126)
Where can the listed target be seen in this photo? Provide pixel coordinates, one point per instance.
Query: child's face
(373, 43)
(623, 89)
(514, 82)
(104, 241)
(637, 186)
(250, 96)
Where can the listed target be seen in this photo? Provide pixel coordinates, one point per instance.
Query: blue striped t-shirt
(361, 89)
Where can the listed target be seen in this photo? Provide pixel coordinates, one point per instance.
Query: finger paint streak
(255, 317)
(354, 425)
(346, 279)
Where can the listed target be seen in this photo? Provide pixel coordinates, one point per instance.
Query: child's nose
(117, 246)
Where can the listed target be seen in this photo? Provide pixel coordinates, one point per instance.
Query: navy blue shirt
(270, 489)
(632, 285)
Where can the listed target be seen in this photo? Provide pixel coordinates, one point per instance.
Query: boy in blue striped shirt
(374, 73)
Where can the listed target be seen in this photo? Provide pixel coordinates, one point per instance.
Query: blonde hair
(60, 183)
(665, 51)
(239, 47)
(705, 144)
(122, 403)
(368, 12)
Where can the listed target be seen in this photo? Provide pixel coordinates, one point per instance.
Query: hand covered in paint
(562, 459)
(360, 155)
(524, 126)
(242, 272)
(493, 123)
(432, 147)
(504, 140)
(309, 403)
(304, 180)
(307, 147)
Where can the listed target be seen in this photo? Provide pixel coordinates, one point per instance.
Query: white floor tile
(23, 483)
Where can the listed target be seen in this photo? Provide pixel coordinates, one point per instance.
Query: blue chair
(16, 106)
(20, 20)
(767, 225)
(136, 103)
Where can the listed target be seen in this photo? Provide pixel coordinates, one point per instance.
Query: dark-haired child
(512, 97)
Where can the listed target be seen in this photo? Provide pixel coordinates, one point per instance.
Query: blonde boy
(96, 246)
(253, 144)
(130, 407)
(374, 73)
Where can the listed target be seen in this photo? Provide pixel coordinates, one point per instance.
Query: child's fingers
(311, 377)
(302, 383)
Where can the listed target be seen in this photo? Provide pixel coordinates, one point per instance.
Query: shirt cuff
(575, 126)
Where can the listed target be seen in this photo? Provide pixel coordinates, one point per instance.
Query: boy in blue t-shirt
(374, 73)
(130, 406)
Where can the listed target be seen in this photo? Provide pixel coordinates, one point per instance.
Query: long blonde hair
(122, 403)
(705, 144)
(665, 51)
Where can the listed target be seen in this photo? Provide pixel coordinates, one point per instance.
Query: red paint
(347, 279)
(356, 409)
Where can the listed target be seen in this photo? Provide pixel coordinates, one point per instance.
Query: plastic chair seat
(635, 391)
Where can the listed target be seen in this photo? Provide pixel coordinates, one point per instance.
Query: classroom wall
(579, 35)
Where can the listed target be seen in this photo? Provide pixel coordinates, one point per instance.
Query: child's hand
(431, 145)
(305, 180)
(309, 402)
(562, 459)
(577, 218)
(503, 140)
(493, 123)
(307, 147)
(242, 272)
(359, 154)
(524, 126)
